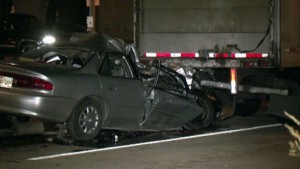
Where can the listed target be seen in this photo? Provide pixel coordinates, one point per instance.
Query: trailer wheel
(206, 119)
(247, 107)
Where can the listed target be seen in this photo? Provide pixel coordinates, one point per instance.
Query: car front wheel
(206, 118)
(85, 121)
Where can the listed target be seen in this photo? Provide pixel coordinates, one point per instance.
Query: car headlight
(49, 39)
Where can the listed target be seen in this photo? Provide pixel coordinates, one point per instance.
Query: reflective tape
(172, 55)
(210, 55)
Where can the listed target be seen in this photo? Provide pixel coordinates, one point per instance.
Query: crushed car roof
(98, 41)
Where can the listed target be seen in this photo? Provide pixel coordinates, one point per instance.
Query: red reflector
(247, 64)
(263, 63)
(233, 81)
(28, 82)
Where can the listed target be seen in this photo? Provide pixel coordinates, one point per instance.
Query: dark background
(113, 17)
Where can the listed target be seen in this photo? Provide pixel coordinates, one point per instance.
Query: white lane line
(152, 142)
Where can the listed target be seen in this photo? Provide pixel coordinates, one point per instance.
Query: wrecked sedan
(95, 84)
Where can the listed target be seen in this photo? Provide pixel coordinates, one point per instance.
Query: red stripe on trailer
(189, 55)
(254, 55)
(171, 55)
(163, 55)
(239, 55)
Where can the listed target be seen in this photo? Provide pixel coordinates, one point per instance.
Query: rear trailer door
(193, 25)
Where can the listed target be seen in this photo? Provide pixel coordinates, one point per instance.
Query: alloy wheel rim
(88, 120)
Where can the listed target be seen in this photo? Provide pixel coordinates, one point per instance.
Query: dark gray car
(92, 85)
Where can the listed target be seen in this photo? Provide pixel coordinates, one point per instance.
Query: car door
(170, 111)
(168, 107)
(124, 92)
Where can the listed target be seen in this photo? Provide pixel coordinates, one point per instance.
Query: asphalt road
(256, 142)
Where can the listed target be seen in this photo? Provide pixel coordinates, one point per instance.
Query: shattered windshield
(170, 81)
(62, 56)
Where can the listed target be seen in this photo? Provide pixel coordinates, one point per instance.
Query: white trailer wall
(192, 25)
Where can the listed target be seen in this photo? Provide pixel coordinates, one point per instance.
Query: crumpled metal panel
(170, 111)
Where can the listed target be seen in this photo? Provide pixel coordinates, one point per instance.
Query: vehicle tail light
(28, 82)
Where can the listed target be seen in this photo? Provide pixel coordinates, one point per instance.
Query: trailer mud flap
(290, 103)
(279, 104)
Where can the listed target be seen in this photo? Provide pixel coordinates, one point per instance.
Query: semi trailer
(239, 52)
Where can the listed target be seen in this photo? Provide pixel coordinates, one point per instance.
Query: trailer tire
(247, 107)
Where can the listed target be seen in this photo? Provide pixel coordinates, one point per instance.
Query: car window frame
(129, 67)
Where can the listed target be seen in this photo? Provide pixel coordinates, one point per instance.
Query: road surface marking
(152, 142)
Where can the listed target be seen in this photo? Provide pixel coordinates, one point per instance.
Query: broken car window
(116, 66)
(71, 57)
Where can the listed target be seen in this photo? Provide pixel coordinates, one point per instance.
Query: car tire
(85, 121)
(206, 119)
